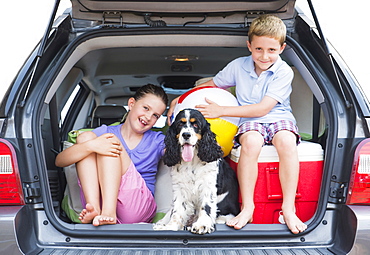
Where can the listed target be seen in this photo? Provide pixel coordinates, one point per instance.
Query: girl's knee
(85, 136)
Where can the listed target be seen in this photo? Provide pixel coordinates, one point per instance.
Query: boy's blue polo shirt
(250, 88)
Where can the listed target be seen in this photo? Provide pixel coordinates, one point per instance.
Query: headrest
(109, 111)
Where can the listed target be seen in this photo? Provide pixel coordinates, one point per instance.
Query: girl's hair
(151, 89)
(268, 25)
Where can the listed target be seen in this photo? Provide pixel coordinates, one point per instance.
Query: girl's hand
(211, 111)
(107, 145)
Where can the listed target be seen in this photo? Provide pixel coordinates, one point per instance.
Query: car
(93, 58)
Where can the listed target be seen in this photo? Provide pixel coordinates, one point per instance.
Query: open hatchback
(91, 61)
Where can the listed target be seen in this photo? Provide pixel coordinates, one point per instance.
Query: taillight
(359, 188)
(10, 183)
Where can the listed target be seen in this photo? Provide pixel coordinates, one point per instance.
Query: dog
(205, 188)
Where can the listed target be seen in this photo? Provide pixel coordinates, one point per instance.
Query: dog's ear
(172, 155)
(208, 148)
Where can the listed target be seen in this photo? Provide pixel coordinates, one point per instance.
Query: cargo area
(104, 72)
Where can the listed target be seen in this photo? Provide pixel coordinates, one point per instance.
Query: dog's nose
(186, 135)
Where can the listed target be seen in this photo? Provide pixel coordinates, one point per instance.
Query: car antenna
(328, 52)
(40, 50)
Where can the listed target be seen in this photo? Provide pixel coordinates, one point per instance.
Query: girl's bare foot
(242, 219)
(88, 214)
(103, 220)
(294, 224)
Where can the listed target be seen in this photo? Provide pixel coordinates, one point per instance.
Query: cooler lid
(307, 151)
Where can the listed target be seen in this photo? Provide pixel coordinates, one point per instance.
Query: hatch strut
(328, 52)
(41, 50)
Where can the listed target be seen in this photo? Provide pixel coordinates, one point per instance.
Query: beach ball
(225, 128)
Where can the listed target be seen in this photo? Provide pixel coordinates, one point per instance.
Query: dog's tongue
(187, 152)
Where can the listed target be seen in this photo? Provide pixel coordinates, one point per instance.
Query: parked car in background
(94, 57)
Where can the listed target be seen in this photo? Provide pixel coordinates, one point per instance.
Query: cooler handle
(277, 194)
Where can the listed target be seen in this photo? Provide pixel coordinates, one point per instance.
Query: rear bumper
(10, 217)
(361, 244)
(8, 239)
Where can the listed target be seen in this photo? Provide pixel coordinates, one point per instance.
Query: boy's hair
(151, 89)
(268, 25)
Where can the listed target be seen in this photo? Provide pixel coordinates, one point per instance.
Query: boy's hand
(171, 109)
(211, 111)
(107, 145)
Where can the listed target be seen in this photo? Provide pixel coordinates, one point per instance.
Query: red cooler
(268, 195)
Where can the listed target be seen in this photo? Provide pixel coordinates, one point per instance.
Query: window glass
(68, 104)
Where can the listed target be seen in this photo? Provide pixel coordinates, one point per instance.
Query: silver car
(93, 58)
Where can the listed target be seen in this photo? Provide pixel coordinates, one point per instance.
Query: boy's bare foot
(294, 224)
(103, 220)
(242, 219)
(88, 214)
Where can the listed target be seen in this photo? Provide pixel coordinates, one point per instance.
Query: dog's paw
(158, 226)
(169, 226)
(222, 219)
(202, 226)
(201, 229)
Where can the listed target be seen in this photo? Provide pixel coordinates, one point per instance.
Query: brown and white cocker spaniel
(204, 185)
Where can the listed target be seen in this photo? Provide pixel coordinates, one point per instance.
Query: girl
(116, 165)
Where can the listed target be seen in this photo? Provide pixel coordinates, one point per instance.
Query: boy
(263, 86)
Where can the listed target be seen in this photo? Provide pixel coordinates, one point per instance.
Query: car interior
(102, 73)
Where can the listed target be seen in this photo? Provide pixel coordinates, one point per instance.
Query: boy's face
(265, 51)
